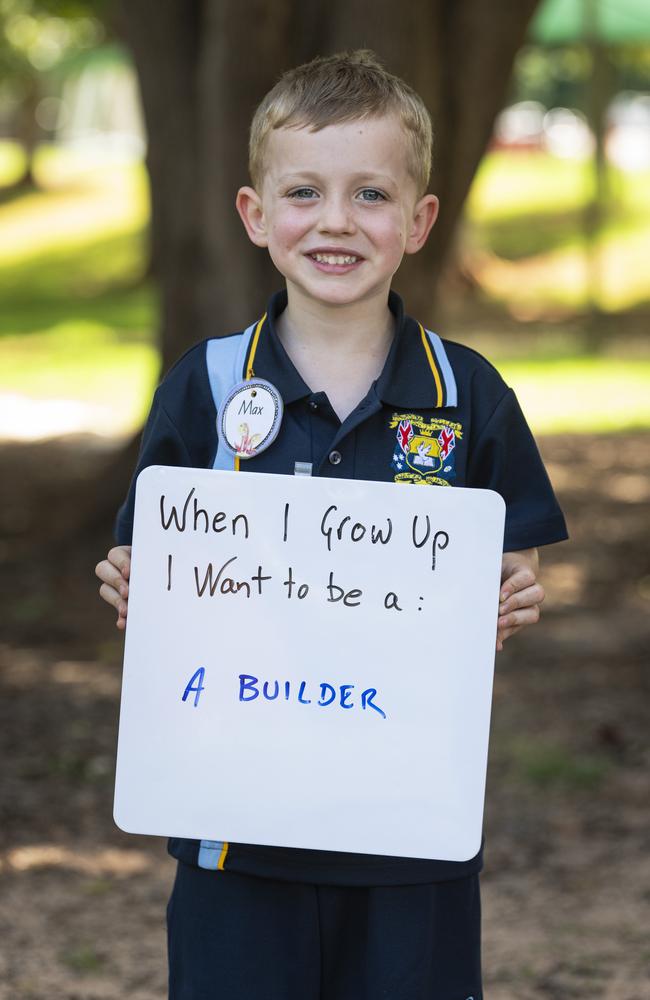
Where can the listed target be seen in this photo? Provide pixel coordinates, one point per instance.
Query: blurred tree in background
(37, 38)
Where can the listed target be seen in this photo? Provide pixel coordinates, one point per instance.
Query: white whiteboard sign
(309, 662)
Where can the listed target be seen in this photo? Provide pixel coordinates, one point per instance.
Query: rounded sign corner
(497, 500)
(119, 820)
(468, 850)
(150, 472)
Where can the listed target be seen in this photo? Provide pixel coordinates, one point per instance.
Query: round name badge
(249, 417)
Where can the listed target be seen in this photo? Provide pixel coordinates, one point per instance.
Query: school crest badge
(425, 450)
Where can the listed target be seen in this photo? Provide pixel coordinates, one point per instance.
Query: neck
(347, 330)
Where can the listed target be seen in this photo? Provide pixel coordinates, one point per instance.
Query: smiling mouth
(335, 258)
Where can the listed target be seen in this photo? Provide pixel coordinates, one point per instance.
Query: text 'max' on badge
(249, 417)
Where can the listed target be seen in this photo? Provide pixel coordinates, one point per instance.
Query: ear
(251, 212)
(425, 214)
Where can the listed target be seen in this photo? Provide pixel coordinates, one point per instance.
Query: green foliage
(555, 77)
(35, 34)
(561, 76)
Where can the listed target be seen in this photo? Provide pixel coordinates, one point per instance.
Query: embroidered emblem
(424, 451)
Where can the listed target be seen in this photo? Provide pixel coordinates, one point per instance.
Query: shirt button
(335, 457)
(313, 405)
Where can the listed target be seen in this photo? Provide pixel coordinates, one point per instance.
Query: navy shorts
(241, 937)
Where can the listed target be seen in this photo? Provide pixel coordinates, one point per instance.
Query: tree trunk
(203, 67)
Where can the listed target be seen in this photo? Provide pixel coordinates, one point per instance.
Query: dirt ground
(566, 888)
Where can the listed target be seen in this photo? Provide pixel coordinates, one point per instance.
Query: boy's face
(338, 209)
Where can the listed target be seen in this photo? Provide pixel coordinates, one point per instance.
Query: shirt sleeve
(180, 429)
(162, 444)
(505, 458)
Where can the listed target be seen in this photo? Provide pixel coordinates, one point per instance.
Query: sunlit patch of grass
(614, 275)
(12, 162)
(85, 361)
(526, 231)
(509, 184)
(582, 394)
(78, 320)
(73, 206)
(77, 249)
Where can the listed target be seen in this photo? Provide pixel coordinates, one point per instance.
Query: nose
(336, 215)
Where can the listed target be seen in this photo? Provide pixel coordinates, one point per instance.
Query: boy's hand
(114, 573)
(520, 595)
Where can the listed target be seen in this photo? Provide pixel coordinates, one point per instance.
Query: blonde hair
(342, 88)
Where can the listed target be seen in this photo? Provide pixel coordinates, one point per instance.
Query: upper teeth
(333, 258)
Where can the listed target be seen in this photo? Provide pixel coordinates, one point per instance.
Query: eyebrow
(311, 176)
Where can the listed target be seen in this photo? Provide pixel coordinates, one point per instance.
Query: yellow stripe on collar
(249, 375)
(251, 356)
(432, 364)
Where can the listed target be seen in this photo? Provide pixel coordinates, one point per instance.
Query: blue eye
(304, 193)
(371, 195)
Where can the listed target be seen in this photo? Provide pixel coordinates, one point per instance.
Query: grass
(582, 394)
(526, 229)
(508, 184)
(79, 312)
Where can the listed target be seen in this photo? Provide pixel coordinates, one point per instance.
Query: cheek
(285, 231)
(389, 231)
(392, 241)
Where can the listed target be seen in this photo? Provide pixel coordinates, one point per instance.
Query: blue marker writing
(197, 687)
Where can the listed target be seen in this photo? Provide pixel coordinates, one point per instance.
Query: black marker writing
(227, 584)
(440, 539)
(201, 520)
(289, 583)
(336, 593)
(356, 530)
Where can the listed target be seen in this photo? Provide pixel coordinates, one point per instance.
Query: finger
(112, 597)
(503, 635)
(120, 557)
(518, 581)
(517, 619)
(111, 575)
(523, 598)
(121, 622)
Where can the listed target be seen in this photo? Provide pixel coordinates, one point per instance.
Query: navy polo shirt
(438, 415)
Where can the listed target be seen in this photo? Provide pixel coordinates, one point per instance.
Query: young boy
(340, 157)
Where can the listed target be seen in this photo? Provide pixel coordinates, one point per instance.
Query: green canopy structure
(561, 22)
